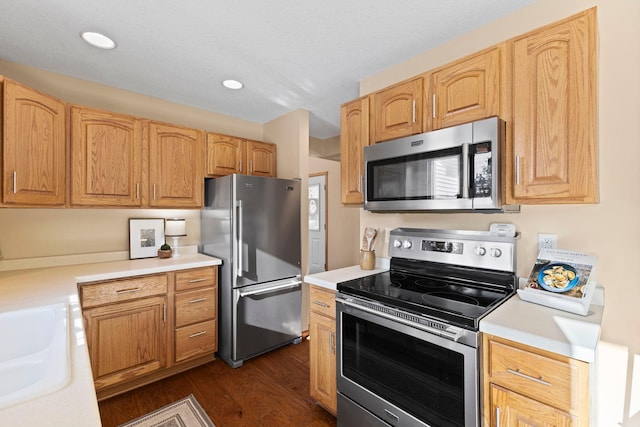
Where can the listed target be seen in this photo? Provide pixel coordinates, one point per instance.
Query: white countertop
(539, 326)
(330, 279)
(558, 331)
(76, 403)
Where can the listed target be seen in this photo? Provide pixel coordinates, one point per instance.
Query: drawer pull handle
(197, 334)
(202, 279)
(197, 300)
(127, 291)
(321, 304)
(529, 377)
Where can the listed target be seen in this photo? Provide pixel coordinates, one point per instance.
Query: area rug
(185, 412)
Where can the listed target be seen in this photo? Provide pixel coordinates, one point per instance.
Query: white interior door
(317, 223)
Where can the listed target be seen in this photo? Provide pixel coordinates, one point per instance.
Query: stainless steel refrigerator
(253, 224)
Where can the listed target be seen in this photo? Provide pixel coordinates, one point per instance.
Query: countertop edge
(154, 269)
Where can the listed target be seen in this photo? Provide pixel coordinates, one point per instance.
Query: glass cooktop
(457, 295)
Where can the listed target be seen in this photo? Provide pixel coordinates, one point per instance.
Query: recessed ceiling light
(98, 40)
(232, 84)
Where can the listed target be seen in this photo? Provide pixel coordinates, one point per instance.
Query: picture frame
(146, 235)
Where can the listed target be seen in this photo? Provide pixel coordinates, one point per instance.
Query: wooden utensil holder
(367, 260)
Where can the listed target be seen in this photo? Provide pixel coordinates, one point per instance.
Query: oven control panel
(466, 248)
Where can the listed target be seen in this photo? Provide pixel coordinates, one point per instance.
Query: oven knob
(480, 251)
(495, 252)
(397, 243)
(407, 244)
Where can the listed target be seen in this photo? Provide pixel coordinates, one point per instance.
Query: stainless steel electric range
(408, 339)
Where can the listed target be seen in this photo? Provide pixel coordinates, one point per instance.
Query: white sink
(34, 353)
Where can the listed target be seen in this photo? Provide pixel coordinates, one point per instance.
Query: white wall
(610, 229)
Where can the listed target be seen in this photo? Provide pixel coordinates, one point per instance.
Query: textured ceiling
(290, 54)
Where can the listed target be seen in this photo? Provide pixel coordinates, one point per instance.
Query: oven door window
(433, 175)
(419, 377)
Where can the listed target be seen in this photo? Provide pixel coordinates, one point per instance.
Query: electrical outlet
(548, 241)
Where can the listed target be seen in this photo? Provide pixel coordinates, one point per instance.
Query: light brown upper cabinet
(227, 155)
(554, 153)
(176, 166)
(354, 136)
(106, 158)
(261, 158)
(33, 147)
(397, 110)
(468, 89)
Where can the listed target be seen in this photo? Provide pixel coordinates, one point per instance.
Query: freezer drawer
(267, 316)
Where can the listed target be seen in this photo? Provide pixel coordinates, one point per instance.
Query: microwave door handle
(466, 185)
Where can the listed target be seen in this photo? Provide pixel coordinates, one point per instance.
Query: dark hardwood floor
(269, 390)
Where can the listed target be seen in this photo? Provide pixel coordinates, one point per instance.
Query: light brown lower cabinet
(527, 386)
(322, 359)
(143, 328)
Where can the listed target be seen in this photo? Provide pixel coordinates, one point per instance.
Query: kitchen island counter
(75, 404)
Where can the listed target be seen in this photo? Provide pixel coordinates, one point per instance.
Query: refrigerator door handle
(277, 287)
(240, 244)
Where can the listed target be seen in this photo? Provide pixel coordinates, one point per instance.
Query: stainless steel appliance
(253, 224)
(408, 339)
(451, 169)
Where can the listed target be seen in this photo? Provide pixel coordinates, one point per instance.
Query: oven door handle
(452, 335)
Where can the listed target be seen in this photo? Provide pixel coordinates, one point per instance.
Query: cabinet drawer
(196, 340)
(555, 382)
(196, 278)
(95, 294)
(323, 301)
(195, 306)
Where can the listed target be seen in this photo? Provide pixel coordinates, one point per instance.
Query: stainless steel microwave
(451, 169)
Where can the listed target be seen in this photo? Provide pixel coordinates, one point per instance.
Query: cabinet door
(196, 340)
(322, 360)
(225, 155)
(106, 158)
(176, 166)
(354, 136)
(554, 117)
(34, 147)
(467, 90)
(512, 409)
(261, 158)
(126, 340)
(398, 111)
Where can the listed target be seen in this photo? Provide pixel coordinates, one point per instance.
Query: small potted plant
(165, 251)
